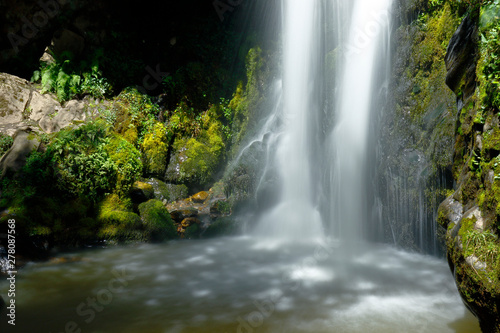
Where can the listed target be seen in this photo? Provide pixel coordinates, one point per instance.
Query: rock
(157, 220)
(15, 94)
(461, 58)
(200, 197)
(181, 214)
(177, 192)
(187, 222)
(474, 212)
(449, 211)
(72, 111)
(141, 192)
(21, 105)
(220, 208)
(192, 231)
(15, 158)
(161, 190)
(173, 173)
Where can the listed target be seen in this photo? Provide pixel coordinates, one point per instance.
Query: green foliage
(155, 150)
(248, 99)
(83, 166)
(127, 160)
(132, 115)
(117, 221)
(68, 79)
(6, 142)
(184, 121)
(201, 156)
(489, 64)
(158, 223)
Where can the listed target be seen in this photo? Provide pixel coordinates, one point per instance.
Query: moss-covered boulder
(200, 197)
(118, 222)
(157, 221)
(141, 192)
(163, 191)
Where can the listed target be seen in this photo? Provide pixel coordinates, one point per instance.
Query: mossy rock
(118, 222)
(141, 192)
(177, 192)
(200, 197)
(161, 190)
(223, 226)
(157, 221)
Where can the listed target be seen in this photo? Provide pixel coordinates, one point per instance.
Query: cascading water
(349, 140)
(344, 152)
(296, 216)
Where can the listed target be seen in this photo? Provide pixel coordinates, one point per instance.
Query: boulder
(141, 192)
(189, 221)
(15, 94)
(72, 111)
(449, 211)
(181, 214)
(15, 158)
(176, 192)
(200, 197)
(22, 105)
(160, 189)
(157, 221)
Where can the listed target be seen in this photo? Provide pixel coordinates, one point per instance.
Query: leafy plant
(68, 79)
(6, 142)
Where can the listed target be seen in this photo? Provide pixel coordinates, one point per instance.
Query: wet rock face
(15, 158)
(468, 216)
(461, 59)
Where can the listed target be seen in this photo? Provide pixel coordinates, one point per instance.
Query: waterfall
(308, 200)
(296, 215)
(358, 96)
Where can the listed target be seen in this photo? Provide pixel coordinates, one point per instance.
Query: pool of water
(239, 285)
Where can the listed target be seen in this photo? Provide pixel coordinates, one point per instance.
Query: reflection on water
(240, 285)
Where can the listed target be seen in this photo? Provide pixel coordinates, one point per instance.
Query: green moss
(155, 149)
(157, 221)
(177, 192)
(132, 115)
(127, 160)
(201, 156)
(118, 222)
